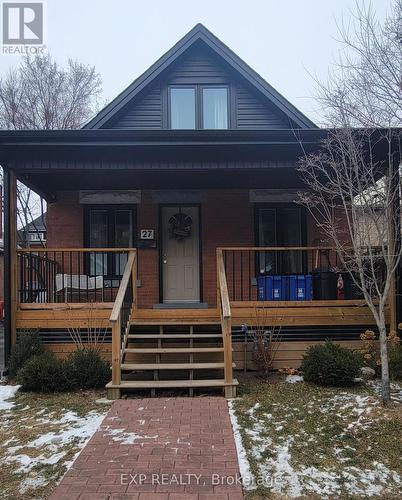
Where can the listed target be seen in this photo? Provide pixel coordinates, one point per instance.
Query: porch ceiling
(48, 183)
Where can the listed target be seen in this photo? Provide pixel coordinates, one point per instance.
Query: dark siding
(200, 67)
(146, 113)
(288, 334)
(253, 113)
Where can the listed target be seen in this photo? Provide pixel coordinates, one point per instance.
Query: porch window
(280, 227)
(109, 227)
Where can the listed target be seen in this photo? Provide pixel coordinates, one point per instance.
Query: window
(36, 236)
(182, 108)
(109, 227)
(198, 106)
(282, 227)
(215, 108)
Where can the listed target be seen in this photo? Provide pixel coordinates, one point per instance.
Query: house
(171, 222)
(33, 234)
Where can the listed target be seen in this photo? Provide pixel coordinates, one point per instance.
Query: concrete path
(159, 449)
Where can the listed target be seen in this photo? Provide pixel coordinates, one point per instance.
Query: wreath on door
(180, 226)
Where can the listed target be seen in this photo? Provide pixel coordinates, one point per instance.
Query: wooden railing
(52, 275)
(123, 308)
(226, 320)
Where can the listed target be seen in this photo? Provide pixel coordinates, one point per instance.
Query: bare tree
(41, 94)
(345, 179)
(363, 88)
(353, 194)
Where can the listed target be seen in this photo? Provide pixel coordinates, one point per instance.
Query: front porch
(167, 257)
(192, 348)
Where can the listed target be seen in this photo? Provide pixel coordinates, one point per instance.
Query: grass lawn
(39, 437)
(310, 442)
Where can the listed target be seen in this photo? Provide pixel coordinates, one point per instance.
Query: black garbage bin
(324, 284)
(352, 292)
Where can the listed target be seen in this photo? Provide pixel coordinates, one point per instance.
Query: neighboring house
(33, 234)
(157, 212)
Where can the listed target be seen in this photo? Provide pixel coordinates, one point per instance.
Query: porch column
(396, 290)
(10, 261)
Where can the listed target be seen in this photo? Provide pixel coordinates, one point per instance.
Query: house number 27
(147, 234)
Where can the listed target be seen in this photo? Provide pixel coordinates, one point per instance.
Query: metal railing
(319, 269)
(70, 275)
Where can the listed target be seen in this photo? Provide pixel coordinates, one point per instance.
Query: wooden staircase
(173, 355)
(165, 352)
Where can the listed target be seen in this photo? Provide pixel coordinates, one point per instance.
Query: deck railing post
(226, 322)
(134, 279)
(116, 346)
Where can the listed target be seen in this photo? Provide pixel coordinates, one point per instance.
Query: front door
(180, 254)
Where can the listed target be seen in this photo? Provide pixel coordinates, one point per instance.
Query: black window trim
(303, 226)
(198, 89)
(110, 208)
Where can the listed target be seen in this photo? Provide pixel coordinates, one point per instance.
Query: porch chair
(81, 282)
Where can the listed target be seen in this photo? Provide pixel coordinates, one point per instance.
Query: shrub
(87, 369)
(395, 362)
(28, 345)
(369, 350)
(330, 365)
(44, 373)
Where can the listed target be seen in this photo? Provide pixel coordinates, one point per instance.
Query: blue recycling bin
(271, 287)
(300, 287)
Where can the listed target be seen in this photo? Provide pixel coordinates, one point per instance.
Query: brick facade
(227, 219)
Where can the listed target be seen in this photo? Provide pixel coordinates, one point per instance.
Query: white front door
(180, 254)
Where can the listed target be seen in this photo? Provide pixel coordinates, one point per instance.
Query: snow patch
(273, 452)
(244, 465)
(7, 392)
(124, 437)
(293, 379)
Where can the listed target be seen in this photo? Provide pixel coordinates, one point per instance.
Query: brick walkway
(159, 449)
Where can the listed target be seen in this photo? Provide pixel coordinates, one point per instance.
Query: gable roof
(36, 225)
(200, 33)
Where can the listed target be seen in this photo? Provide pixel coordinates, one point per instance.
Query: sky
(286, 41)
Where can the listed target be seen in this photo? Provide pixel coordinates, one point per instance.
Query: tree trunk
(385, 384)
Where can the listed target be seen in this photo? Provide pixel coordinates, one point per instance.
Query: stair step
(160, 384)
(172, 366)
(173, 350)
(183, 336)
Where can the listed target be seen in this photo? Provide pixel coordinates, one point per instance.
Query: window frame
(258, 207)
(194, 87)
(199, 104)
(110, 209)
(226, 87)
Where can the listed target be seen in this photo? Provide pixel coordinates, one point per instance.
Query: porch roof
(52, 160)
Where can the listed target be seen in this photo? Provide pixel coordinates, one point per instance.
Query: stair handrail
(225, 317)
(130, 271)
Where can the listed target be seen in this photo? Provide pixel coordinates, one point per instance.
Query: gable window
(109, 227)
(215, 108)
(280, 226)
(182, 107)
(198, 107)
